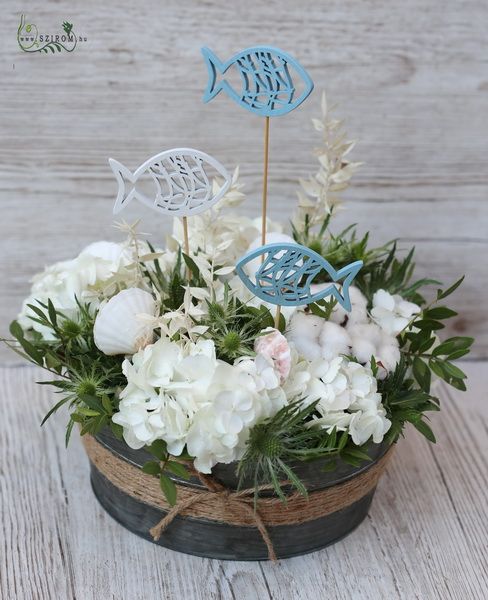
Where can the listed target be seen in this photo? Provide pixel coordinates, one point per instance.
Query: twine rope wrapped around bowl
(220, 504)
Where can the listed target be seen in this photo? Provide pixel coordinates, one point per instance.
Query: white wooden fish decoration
(180, 184)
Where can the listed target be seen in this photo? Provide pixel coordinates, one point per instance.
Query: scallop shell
(119, 328)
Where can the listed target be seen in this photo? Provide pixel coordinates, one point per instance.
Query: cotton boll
(366, 331)
(358, 312)
(362, 349)
(388, 356)
(334, 340)
(392, 313)
(306, 325)
(303, 330)
(406, 309)
(309, 349)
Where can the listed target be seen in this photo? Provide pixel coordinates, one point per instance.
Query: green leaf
(151, 468)
(178, 469)
(436, 367)
(439, 312)
(107, 405)
(356, 453)
(192, 265)
(343, 439)
(53, 410)
(158, 449)
(316, 310)
(458, 354)
(425, 430)
(52, 313)
(52, 361)
(169, 489)
(421, 372)
(16, 330)
(428, 324)
(329, 466)
(294, 480)
(452, 345)
(373, 365)
(444, 294)
(458, 384)
(87, 412)
(424, 346)
(33, 354)
(87, 427)
(117, 430)
(92, 402)
(69, 429)
(454, 371)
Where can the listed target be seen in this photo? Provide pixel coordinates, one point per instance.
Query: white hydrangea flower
(185, 395)
(299, 377)
(369, 424)
(221, 428)
(347, 398)
(392, 313)
(78, 278)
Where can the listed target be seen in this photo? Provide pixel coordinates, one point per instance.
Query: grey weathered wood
(410, 78)
(425, 538)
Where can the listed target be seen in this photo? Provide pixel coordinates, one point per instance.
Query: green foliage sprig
(291, 436)
(163, 467)
(382, 268)
(89, 380)
(233, 326)
(423, 350)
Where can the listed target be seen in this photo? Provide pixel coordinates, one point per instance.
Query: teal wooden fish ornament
(287, 272)
(270, 79)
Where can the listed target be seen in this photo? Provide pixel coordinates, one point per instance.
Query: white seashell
(120, 327)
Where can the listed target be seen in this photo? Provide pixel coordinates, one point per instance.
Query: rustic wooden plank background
(410, 77)
(424, 539)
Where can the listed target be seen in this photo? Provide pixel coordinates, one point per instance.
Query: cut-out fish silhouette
(177, 178)
(287, 271)
(268, 77)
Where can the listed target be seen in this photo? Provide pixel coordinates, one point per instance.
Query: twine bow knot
(231, 501)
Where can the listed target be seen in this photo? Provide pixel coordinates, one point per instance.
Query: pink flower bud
(274, 346)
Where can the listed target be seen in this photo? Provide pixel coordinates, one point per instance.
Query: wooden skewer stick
(265, 182)
(277, 316)
(186, 243)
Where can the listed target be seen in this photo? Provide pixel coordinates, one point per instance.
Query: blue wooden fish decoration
(268, 77)
(287, 271)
